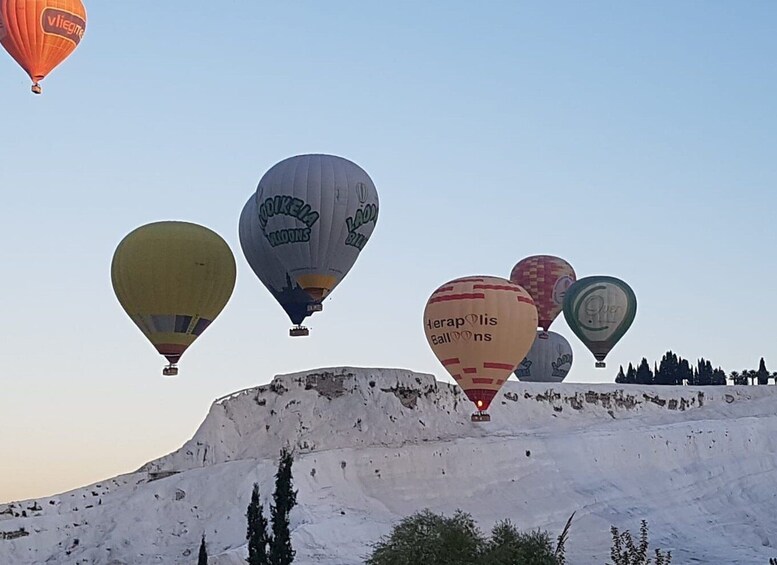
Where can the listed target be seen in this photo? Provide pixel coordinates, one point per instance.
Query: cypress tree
(763, 374)
(719, 377)
(621, 377)
(644, 374)
(708, 373)
(685, 373)
(284, 499)
(203, 558)
(676, 378)
(668, 372)
(631, 375)
(256, 533)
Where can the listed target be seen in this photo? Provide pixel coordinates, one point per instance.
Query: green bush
(426, 538)
(508, 546)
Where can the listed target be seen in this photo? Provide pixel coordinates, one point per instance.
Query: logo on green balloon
(599, 310)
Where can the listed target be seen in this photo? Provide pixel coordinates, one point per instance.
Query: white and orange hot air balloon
(480, 328)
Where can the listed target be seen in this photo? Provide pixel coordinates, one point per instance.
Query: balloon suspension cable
(481, 416)
(170, 371)
(36, 88)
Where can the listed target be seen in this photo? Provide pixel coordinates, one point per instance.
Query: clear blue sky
(633, 139)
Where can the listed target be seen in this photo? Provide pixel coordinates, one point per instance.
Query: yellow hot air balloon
(480, 328)
(173, 279)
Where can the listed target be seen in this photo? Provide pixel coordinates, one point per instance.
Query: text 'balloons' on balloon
(173, 279)
(480, 327)
(315, 214)
(546, 278)
(599, 310)
(297, 303)
(548, 361)
(41, 34)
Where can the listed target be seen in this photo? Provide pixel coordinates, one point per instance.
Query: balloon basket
(481, 417)
(36, 89)
(600, 365)
(170, 371)
(299, 331)
(315, 307)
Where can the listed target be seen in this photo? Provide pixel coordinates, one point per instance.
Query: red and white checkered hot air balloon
(480, 328)
(546, 278)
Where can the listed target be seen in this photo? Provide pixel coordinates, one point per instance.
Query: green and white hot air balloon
(599, 310)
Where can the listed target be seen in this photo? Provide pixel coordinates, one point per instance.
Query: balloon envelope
(314, 215)
(480, 328)
(173, 279)
(270, 271)
(317, 213)
(40, 34)
(546, 278)
(599, 310)
(548, 361)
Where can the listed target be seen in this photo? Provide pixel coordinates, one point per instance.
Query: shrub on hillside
(625, 552)
(426, 538)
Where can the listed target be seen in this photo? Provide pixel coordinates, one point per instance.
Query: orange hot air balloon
(546, 278)
(40, 34)
(480, 328)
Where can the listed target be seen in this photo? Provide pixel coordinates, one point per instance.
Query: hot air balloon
(480, 328)
(297, 303)
(600, 309)
(546, 278)
(548, 361)
(316, 213)
(40, 34)
(173, 279)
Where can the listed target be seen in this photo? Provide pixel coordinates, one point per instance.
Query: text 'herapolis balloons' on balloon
(315, 214)
(480, 327)
(173, 279)
(40, 34)
(599, 310)
(546, 278)
(548, 361)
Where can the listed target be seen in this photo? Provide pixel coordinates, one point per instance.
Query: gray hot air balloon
(548, 361)
(316, 213)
